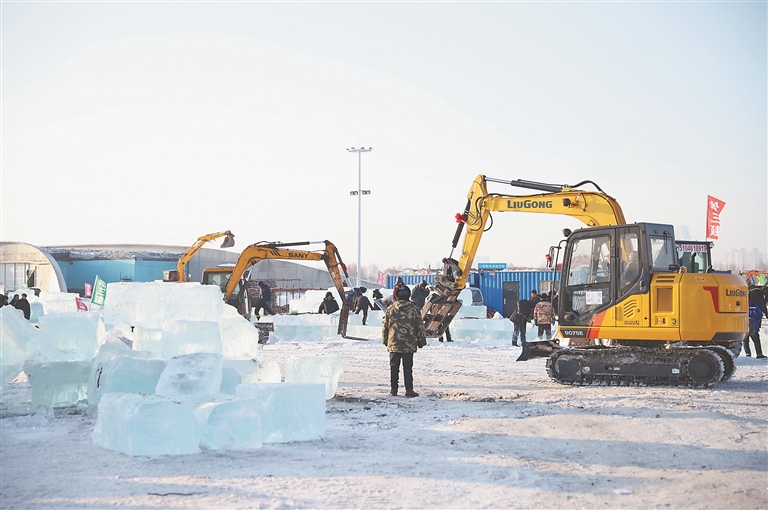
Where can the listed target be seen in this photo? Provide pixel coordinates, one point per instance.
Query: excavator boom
(181, 266)
(286, 251)
(593, 208)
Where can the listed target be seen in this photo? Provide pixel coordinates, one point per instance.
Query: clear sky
(159, 122)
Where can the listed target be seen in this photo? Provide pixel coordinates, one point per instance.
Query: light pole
(360, 192)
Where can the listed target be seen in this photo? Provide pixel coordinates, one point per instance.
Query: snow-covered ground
(485, 432)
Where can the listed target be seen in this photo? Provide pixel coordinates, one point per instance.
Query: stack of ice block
(18, 338)
(146, 425)
(230, 380)
(289, 411)
(315, 369)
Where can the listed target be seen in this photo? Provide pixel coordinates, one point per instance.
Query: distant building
(69, 268)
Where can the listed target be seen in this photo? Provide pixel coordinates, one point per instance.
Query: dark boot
(411, 394)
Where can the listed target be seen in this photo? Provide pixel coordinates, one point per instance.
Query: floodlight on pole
(360, 192)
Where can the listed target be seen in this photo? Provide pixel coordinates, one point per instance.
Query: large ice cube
(70, 336)
(247, 368)
(146, 425)
(234, 425)
(58, 302)
(230, 379)
(126, 374)
(289, 411)
(106, 352)
(239, 338)
(151, 304)
(315, 369)
(191, 377)
(150, 340)
(188, 337)
(18, 340)
(59, 384)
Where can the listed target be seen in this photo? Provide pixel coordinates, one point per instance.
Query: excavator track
(695, 367)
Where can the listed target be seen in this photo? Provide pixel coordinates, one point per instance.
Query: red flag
(80, 305)
(714, 208)
(88, 290)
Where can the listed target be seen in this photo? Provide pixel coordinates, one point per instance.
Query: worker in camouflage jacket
(403, 333)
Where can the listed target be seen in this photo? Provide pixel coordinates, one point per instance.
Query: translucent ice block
(234, 425)
(151, 304)
(126, 374)
(106, 352)
(239, 338)
(146, 425)
(70, 336)
(289, 411)
(229, 380)
(18, 338)
(58, 302)
(191, 377)
(59, 384)
(248, 369)
(150, 340)
(315, 369)
(187, 337)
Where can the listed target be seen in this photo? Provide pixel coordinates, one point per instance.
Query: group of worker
(539, 309)
(20, 303)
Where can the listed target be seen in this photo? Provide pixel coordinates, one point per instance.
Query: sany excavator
(180, 274)
(630, 313)
(230, 279)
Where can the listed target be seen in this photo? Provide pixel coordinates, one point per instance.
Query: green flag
(99, 292)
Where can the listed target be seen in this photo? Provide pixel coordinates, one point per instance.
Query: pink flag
(380, 278)
(80, 305)
(88, 290)
(714, 207)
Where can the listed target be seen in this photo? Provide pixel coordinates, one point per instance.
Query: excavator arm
(181, 266)
(283, 251)
(593, 208)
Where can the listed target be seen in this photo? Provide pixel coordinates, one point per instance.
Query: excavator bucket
(438, 314)
(541, 349)
(229, 241)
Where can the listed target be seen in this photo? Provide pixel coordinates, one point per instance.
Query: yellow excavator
(180, 274)
(630, 312)
(232, 282)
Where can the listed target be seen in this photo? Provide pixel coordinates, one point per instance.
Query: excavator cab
(603, 266)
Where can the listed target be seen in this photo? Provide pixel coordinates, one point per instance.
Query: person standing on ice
(544, 316)
(23, 305)
(362, 303)
(329, 304)
(755, 320)
(403, 333)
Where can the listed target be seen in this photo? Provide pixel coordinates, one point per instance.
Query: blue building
(501, 289)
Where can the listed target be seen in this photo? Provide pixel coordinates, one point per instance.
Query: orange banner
(714, 208)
